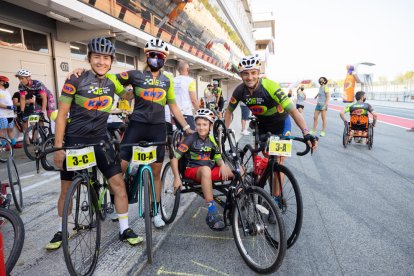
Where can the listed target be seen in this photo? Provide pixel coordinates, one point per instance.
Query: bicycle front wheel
(147, 183)
(261, 243)
(81, 228)
(33, 139)
(47, 162)
(6, 150)
(290, 205)
(169, 201)
(15, 185)
(12, 231)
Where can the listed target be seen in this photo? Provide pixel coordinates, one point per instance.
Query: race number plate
(80, 159)
(280, 147)
(34, 119)
(142, 156)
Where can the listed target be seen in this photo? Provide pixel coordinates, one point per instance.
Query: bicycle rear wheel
(147, 183)
(261, 244)
(6, 149)
(81, 228)
(12, 229)
(345, 139)
(47, 162)
(291, 206)
(169, 201)
(14, 184)
(370, 136)
(33, 139)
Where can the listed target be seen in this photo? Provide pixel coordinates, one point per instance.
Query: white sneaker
(245, 132)
(158, 222)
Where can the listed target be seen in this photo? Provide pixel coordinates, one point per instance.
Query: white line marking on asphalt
(26, 176)
(209, 267)
(41, 183)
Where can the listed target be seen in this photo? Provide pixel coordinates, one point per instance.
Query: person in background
(6, 112)
(321, 106)
(300, 98)
(185, 93)
(218, 94)
(21, 117)
(245, 114)
(208, 94)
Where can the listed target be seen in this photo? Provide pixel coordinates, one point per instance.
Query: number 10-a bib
(280, 147)
(80, 159)
(142, 156)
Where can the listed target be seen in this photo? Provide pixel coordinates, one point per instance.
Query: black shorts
(108, 170)
(277, 128)
(137, 132)
(220, 105)
(299, 106)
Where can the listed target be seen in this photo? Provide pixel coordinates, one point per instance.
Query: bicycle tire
(345, 136)
(146, 182)
(18, 236)
(168, 197)
(291, 206)
(6, 150)
(14, 184)
(80, 192)
(104, 203)
(47, 162)
(247, 159)
(30, 145)
(250, 220)
(370, 136)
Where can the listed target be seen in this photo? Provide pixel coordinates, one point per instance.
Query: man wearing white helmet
(267, 101)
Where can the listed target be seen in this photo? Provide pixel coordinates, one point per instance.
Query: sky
(321, 37)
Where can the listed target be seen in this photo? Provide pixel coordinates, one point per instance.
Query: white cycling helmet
(156, 45)
(206, 114)
(249, 62)
(23, 73)
(215, 82)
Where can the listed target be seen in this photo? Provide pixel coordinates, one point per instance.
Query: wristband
(186, 127)
(304, 130)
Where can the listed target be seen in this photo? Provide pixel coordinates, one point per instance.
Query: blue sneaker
(214, 221)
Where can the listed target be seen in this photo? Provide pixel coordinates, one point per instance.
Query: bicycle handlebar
(265, 137)
(143, 144)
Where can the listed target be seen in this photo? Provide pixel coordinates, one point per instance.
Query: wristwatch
(186, 127)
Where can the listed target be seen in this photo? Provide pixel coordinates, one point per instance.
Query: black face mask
(6, 85)
(364, 100)
(155, 64)
(302, 89)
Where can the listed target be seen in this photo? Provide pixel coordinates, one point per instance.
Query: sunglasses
(156, 55)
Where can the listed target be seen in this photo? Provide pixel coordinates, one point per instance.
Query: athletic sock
(123, 222)
(211, 207)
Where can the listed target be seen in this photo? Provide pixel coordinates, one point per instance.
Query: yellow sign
(280, 147)
(80, 159)
(142, 156)
(34, 119)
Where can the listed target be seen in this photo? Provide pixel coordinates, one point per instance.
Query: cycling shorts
(137, 131)
(220, 105)
(108, 170)
(191, 173)
(278, 128)
(299, 106)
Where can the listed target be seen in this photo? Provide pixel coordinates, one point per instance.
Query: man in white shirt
(6, 111)
(185, 93)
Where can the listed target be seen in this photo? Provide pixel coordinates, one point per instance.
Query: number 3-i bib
(141, 156)
(280, 147)
(80, 159)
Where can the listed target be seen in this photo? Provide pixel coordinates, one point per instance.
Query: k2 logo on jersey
(98, 103)
(155, 94)
(69, 89)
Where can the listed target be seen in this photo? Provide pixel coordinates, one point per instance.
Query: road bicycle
(86, 204)
(140, 185)
(12, 238)
(246, 208)
(6, 149)
(36, 135)
(287, 187)
(12, 188)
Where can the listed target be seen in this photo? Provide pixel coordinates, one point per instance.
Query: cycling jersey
(359, 109)
(151, 95)
(199, 151)
(268, 102)
(37, 88)
(323, 90)
(217, 92)
(91, 101)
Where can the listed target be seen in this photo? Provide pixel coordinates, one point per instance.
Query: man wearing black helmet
(88, 99)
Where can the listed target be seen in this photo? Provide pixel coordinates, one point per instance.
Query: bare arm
(227, 118)
(60, 132)
(298, 118)
(44, 102)
(128, 95)
(342, 115)
(22, 102)
(177, 179)
(327, 96)
(375, 116)
(178, 115)
(193, 98)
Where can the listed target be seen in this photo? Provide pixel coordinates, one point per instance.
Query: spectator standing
(218, 93)
(245, 113)
(321, 106)
(185, 93)
(6, 111)
(300, 98)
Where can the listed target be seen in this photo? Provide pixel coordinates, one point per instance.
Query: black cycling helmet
(101, 45)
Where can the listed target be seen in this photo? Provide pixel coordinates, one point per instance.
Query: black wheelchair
(359, 128)
(246, 208)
